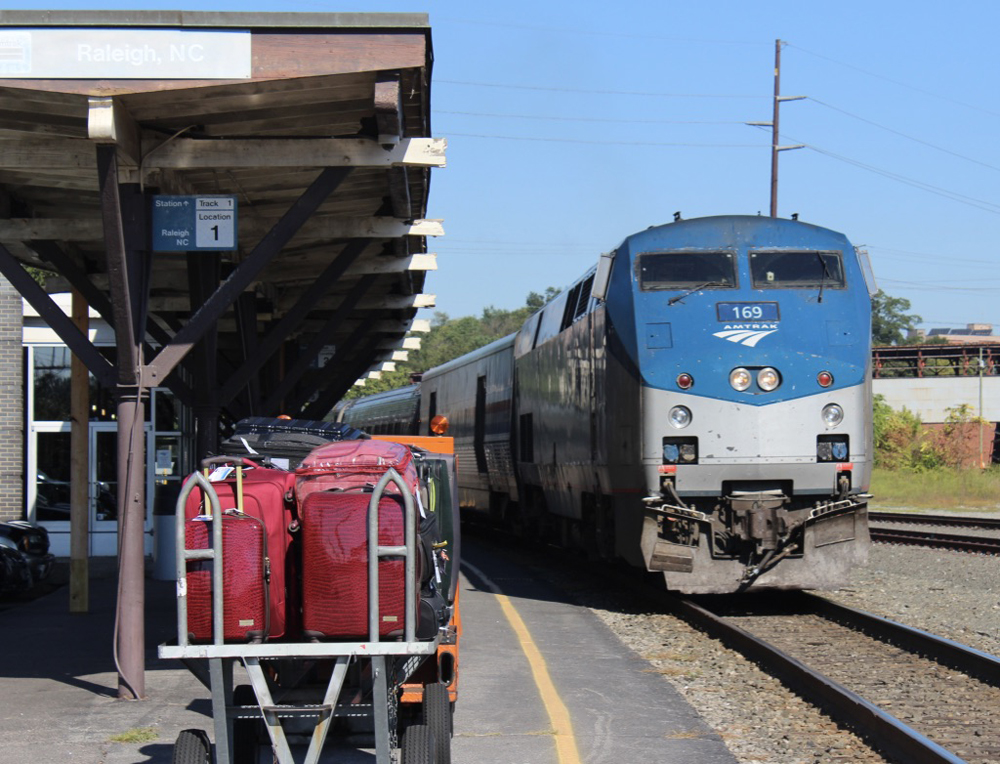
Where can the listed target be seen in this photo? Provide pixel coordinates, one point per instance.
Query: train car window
(527, 338)
(526, 439)
(584, 301)
(797, 270)
(686, 270)
(866, 271)
(570, 309)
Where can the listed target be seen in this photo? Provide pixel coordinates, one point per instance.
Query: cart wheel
(418, 745)
(192, 747)
(437, 717)
(246, 732)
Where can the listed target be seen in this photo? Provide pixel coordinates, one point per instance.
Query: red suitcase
(267, 504)
(245, 562)
(351, 463)
(335, 565)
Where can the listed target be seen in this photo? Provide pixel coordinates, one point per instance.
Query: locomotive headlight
(740, 379)
(680, 417)
(833, 415)
(768, 379)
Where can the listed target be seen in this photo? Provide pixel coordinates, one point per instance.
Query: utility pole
(773, 124)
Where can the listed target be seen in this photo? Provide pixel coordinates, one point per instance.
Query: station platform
(542, 681)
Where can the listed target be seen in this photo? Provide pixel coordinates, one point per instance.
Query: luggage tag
(439, 554)
(221, 473)
(420, 504)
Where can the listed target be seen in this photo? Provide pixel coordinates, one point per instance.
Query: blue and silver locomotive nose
(752, 346)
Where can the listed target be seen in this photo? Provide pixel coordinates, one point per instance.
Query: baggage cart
(299, 692)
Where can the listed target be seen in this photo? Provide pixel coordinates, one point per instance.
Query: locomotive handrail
(407, 551)
(182, 555)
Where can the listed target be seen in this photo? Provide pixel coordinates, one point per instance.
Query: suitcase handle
(183, 555)
(208, 461)
(408, 551)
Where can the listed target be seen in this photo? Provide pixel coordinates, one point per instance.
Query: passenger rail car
(699, 404)
(393, 412)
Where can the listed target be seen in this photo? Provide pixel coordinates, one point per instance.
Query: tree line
(452, 337)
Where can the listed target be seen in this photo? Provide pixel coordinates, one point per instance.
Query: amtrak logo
(746, 334)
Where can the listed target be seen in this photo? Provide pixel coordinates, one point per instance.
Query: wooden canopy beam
(195, 154)
(319, 227)
(320, 339)
(291, 320)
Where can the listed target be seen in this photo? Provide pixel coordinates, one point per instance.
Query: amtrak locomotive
(699, 404)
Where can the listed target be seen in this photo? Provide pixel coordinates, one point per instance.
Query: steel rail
(981, 544)
(917, 519)
(888, 733)
(966, 659)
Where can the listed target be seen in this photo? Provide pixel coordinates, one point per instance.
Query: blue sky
(573, 124)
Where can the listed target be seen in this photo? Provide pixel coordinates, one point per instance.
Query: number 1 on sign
(215, 228)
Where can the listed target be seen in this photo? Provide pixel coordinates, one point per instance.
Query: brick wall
(11, 405)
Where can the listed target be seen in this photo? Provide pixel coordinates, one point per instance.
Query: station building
(44, 476)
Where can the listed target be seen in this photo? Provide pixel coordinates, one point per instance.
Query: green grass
(945, 489)
(136, 735)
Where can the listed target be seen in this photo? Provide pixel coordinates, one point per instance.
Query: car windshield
(686, 270)
(797, 270)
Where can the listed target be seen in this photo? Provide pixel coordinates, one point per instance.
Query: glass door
(103, 491)
(50, 488)
(50, 491)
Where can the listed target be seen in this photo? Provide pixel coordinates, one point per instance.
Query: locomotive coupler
(760, 518)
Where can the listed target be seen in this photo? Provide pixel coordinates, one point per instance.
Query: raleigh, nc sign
(84, 54)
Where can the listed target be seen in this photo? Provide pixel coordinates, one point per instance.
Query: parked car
(24, 556)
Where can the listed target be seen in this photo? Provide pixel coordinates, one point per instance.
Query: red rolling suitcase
(335, 565)
(350, 463)
(245, 562)
(258, 507)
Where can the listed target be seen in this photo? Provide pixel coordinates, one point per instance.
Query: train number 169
(747, 311)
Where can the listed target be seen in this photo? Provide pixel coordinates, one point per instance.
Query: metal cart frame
(391, 663)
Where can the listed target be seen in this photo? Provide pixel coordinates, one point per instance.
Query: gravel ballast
(951, 594)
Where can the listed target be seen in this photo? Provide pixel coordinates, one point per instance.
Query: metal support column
(124, 216)
(131, 631)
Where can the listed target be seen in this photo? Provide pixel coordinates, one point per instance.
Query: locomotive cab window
(686, 270)
(797, 270)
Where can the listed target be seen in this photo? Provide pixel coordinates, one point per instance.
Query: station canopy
(241, 195)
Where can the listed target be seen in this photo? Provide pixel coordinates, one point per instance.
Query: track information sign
(194, 223)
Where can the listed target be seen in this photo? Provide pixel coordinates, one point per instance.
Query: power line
(897, 82)
(592, 119)
(927, 286)
(953, 195)
(904, 135)
(553, 89)
(598, 33)
(935, 257)
(608, 143)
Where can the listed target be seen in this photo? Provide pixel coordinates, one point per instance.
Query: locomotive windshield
(797, 270)
(686, 270)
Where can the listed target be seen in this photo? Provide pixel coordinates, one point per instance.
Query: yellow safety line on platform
(559, 717)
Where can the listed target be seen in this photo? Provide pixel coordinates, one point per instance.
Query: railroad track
(911, 518)
(914, 696)
(984, 541)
